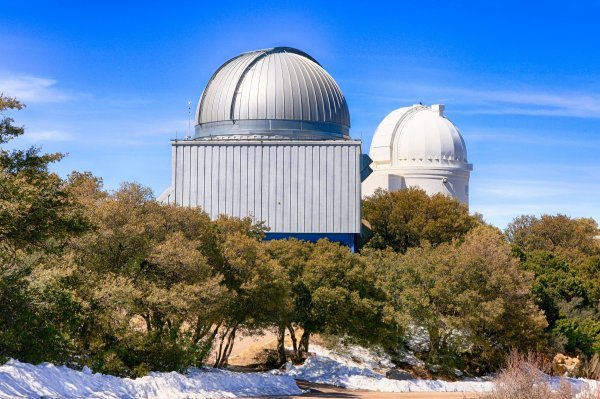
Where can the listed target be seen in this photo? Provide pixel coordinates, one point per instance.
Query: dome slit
(207, 91)
(231, 90)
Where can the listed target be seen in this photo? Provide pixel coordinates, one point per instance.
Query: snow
(23, 380)
(350, 367)
(324, 370)
(357, 371)
(355, 355)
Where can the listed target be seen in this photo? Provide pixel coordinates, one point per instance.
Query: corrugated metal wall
(307, 187)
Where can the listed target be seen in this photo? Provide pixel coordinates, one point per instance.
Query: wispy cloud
(32, 89)
(500, 200)
(518, 100)
(47, 135)
(523, 102)
(522, 189)
(531, 136)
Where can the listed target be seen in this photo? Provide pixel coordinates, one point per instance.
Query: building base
(347, 239)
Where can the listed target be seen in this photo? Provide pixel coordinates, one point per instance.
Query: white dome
(418, 136)
(419, 147)
(279, 92)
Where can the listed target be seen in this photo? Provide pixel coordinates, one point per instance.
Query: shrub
(523, 378)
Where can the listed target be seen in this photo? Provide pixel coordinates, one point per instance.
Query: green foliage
(37, 217)
(333, 292)
(35, 209)
(560, 234)
(149, 294)
(563, 254)
(555, 282)
(8, 130)
(471, 299)
(126, 285)
(406, 218)
(344, 296)
(582, 333)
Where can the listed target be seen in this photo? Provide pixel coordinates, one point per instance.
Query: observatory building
(272, 142)
(418, 146)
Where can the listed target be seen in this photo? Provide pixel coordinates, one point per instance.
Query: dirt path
(324, 391)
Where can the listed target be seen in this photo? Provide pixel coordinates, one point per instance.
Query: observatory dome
(278, 93)
(419, 147)
(418, 136)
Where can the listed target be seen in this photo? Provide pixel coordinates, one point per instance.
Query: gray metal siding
(295, 187)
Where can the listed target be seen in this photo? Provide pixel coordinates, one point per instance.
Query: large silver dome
(275, 93)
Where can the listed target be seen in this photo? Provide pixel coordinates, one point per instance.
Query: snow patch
(355, 355)
(23, 380)
(330, 367)
(324, 370)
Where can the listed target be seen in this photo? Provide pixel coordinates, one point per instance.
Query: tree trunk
(281, 345)
(228, 348)
(200, 332)
(293, 338)
(220, 351)
(303, 347)
(434, 341)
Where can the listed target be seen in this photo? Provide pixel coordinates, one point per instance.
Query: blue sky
(108, 82)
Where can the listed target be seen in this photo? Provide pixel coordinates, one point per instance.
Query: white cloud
(525, 102)
(32, 89)
(524, 189)
(501, 200)
(495, 101)
(47, 135)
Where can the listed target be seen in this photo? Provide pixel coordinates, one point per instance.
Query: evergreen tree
(405, 218)
(37, 217)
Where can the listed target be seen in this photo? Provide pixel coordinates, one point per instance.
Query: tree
(148, 293)
(472, 299)
(259, 288)
(573, 238)
(37, 217)
(333, 292)
(403, 219)
(35, 210)
(563, 254)
(568, 295)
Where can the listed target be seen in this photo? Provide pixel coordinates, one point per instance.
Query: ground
(247, 347)
(323, 391)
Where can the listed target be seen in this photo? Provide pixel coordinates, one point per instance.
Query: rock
(408, 357)
(395, 374)
(565, 365)
(434, 368)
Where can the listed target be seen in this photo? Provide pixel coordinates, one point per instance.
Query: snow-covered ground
(354, 368)
(325, 370)
(23, 380)
(350, 367)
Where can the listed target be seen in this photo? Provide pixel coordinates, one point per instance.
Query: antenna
(189, 119)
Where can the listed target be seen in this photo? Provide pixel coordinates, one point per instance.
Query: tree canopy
(472, 302)
(404, 219)
(124, 284)
(564, 255)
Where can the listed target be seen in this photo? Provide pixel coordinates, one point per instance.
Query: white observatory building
(272, 142)
(418, 146)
